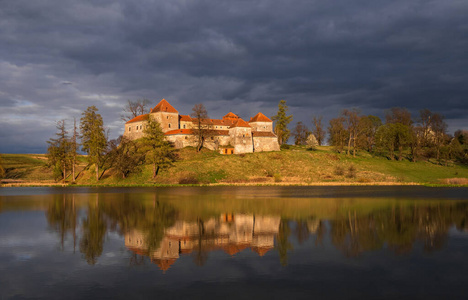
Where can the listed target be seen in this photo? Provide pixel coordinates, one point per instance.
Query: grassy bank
(295, 166)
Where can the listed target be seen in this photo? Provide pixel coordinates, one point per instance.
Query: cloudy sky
(321, 56)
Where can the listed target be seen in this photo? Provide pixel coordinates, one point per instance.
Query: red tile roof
(179, 131)
(231, 115)
(260, 118)
(164, 106)
(139, 118)
(240, 123)
(263, 134)
(225, 122)
(190, 131)
(185, 118)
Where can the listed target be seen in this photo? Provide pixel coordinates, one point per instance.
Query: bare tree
(202, 129)
(300, 133)
(352, 118)
(135, 108)
(318, 130)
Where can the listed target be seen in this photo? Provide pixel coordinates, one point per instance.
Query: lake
(229, 242)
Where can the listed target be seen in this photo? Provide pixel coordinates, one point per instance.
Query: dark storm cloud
(58, 57)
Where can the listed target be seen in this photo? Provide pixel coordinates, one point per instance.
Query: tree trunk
(64, 172)
(73, 169)
(349, 144)
(154, 170)
(97, 172)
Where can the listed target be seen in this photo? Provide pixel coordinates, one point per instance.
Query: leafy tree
(282, 121)
(311, 142)
(2, 169)
(135, 108)
(159, 152)
(93, 137)
(337, 134)
(59, 150)
(393, 136)
(300, 133)
(74, 148)
(318, 130)
(201, 131)
(124, 155)
(368, 126)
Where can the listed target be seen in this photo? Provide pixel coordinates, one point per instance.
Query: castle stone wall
(134, 130)
(262, 126)
(241, 139)
(265, 144)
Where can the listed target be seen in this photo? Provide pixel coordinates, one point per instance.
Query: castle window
(169, 125)
(167, 117)
(186, 137)
(129, 128)
(184, 125)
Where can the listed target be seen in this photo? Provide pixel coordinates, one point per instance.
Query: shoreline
(314, 184)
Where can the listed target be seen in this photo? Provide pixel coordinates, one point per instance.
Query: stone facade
(229, 132)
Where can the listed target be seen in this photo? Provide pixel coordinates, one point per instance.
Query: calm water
(263, 242)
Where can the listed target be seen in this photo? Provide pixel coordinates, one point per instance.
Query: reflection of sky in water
(33, 263)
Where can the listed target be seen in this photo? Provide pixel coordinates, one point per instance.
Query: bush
(188, 179)
(339, 171)
(351, 171)
(277, 177)
(285, 147)
(311, 142)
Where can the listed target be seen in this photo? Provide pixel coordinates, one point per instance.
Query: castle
(228, 135)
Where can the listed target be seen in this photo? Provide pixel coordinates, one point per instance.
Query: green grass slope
(293, 166)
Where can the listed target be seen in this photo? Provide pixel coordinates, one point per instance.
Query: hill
(293, 166)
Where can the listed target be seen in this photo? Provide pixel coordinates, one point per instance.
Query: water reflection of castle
(231, 233)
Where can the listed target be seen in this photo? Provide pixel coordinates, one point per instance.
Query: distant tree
(368, 126)
(59, 151)
(93, 137)
(282, 121)
(74, 148)
(135, 108)
(337, 134)
(202, 131)
(392, 137)
(159, 152)
(318, 130)
(2, 169)
(461, 136)
(351, 121)
(439, 128)
(311, 142)
(124, 155)
(398, 115)
(300, 133)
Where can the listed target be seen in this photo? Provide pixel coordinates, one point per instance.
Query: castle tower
(240, 134)
(261, 123)
(166, 115)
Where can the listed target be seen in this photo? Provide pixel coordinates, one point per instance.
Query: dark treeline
(400, 137)
(123, 155)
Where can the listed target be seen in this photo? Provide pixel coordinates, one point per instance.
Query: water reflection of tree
(152, 218)
(94, 230)
(282, 244)
(62, 216)
(399, 228)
